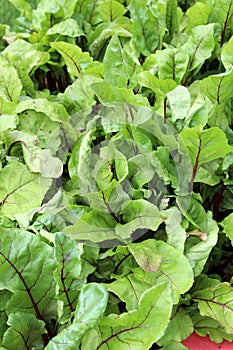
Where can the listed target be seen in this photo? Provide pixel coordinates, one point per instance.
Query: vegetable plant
(116, 174)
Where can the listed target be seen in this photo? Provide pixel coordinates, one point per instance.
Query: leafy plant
(116, 174)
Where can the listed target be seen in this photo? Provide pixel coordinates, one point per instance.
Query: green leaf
(198, 14)
(48, 133)
(110, 10)
(99, 38)
(25, 55)
(89, 10)
(227, 56)
(172, 64)
(114, 66)
(138, 214)
(198, 253)
(53, 110)
(145, 256)
(111, 199)
(68, 273)
(136, 328)
(68, 27)
(227, 224)
(200, 45)
(47, 12)
(92, 303)
(79, 96)
(94, 226)
(159, 87)
(129, 289)
(108, 93)
(165, 265)
(26, 267)
(75, 59)
(145, 38)
(171, 18)
(179, 100)
(180, 327)
(174, 268)
(216, 302)
(42, 161)
(141, 170)
(10, 84)
(204, 146)
(206, 325)
(222, 13)
(23, 192)
(174, 230)
(218, 87)
(25, 332)
(23, 7)
(192, 209)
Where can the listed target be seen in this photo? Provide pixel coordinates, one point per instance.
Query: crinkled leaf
(102, 33)
(136, 328)
(217, 302)
(174, 270)
(89, 10)
(25, 332)
(75, 59)
(221, 13)
(179, 328)
(110, 200)
(141, 170)
(208, 326)
(192, 209)
(48, 132)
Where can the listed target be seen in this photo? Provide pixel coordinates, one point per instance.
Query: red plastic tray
(195, 342)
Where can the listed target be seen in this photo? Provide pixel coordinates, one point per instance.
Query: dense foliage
(116, 174)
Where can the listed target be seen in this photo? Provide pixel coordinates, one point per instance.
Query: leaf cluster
(116, 177)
